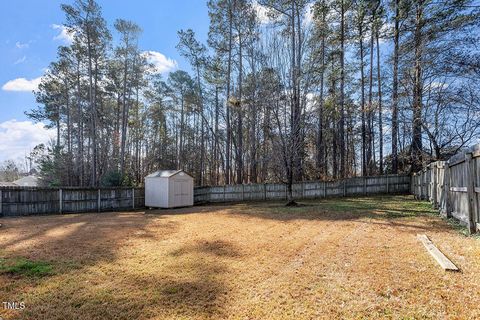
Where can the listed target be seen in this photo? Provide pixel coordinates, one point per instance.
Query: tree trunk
(227, 107)
(396, 36)
(380, 115)
(416, 149)
(370, 107)
(293, 117)
(363, 112)
(125, 114)
(93, 113)
(253, 177)
(320, 153)
(239, 153)
(181, 162)
(342, 90)
(216, 147)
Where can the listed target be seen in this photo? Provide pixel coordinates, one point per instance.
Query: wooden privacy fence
(398, 184)
(16, 201)
(453, 187)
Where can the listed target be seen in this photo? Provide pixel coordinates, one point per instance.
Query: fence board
(452, 186)
(17, 201)
(395, 184)
(20, 201)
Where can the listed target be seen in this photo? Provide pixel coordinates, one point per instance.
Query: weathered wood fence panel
(398, 184)
(18, 201)
(453, 187)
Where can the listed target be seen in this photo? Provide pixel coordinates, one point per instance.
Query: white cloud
(262, 13)
(264, 18)
(387, 28)
(18, 138)
(161, 63)
(386, 32)
(65, 35)
(22, 84)
(20, 45)
(438, 85)
(311, 101)
(308, 16)
(21, 60)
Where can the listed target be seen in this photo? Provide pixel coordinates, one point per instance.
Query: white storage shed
(168, 189)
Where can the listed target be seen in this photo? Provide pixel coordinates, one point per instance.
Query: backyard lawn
(339, 258)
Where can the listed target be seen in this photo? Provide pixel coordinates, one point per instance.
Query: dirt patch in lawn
(339, 258)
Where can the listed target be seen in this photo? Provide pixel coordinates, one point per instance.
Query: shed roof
(28, 181)
(165, 173)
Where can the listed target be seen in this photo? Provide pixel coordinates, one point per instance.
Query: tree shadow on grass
(187, 285)
(399, 211)
(388, 210)
(91, 279)
(196, 287)
(68, 243)
(197, 209)
(79, 237)
(350, 208)
(430, 225)
(218, 248)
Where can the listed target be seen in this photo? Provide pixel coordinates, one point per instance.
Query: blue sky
(30, 37)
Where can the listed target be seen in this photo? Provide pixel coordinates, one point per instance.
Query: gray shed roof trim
(165, 173)
(7, 184)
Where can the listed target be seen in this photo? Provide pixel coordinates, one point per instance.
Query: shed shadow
(397, 211)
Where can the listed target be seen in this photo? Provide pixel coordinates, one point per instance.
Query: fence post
(224, 191)
(286, 192)
(422, 182)
(447, 190)
(430, 182)
(99, 201)
(345, 187)
(435, 184)
(418, 189)
(412, 185)
(243, 192)
(60, 200)
(420, 185)
(303, 190)
(426, 183)
(133, 198)
(388, 186)
(264, 191)
(470, 190)
(415, 186)
(1, 204)
(324, 189)
(365, 190)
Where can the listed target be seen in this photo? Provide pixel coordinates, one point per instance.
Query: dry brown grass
(340, 258)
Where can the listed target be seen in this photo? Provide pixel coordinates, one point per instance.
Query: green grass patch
(25, 267)
(171, 290)
(375, 207)
(460, 228)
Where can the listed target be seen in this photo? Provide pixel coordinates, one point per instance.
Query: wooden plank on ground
(444, 262)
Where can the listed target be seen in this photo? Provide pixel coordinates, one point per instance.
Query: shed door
(181, 192)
